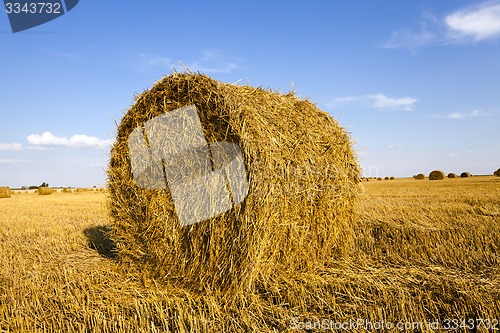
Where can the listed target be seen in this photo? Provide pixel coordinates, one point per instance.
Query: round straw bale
(379, 178)
(465, 175)
(419, 176)
(5, 192)
(299, 166)
(497, 173)
(392, 178)
(452, 175)
(67, 190)
(45, 191)
(437, 175)
(386, 178)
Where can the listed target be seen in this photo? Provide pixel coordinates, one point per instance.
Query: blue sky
(415, 82)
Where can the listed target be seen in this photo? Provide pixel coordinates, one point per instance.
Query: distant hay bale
(419, 176)
(5, 192)
(45, 191)
(298, 162)
(81, 190)
(497, 173)
(392, 178)
(386, 178)
(379, 178)
(437, 175)
(452, 175)
(465, 175)
(67, 190)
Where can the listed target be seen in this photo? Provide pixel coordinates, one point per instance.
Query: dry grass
(5, 192)
(302, 176)
(423, 251)
(45, 191)
(437, 175)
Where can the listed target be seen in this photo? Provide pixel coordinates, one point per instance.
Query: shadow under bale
(99, 240)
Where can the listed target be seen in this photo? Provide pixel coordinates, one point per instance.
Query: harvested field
(423, 251)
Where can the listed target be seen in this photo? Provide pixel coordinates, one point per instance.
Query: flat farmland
(423, 253)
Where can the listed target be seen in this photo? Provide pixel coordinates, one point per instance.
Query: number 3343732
(33, 8)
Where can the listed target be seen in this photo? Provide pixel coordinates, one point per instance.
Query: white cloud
(471, 24)
(377, 101)
(211, 61)
(380, 101)
(10, 146)
(65, 55)
(48, 139)
(10, 161)
(394, 145)
(406, 39)
(462, 115)
(148, 61)
(479, 22)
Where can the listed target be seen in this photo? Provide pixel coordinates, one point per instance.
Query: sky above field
(416, 83)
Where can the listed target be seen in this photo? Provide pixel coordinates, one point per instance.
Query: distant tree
(44, 184)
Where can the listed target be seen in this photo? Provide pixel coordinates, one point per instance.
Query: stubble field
(423, 253)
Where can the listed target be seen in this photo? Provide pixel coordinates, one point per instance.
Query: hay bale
(386, 178)
(67, 190)
(452, 175)
(419, 176)
(378, 178)
(45, 191)
(5, 192)
(437, 175)
(497, 173)
(392, 178)
(298, 162)
(465, 175)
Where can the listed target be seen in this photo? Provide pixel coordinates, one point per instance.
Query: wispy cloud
(462, 115)
(11, 161)
(451, 155)
(47, 139)
(466, 25)
(10, 146)
(394, 145)
(211, 61)
(148, 61)
(376, 101)
(65, 55)
(380, 101)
